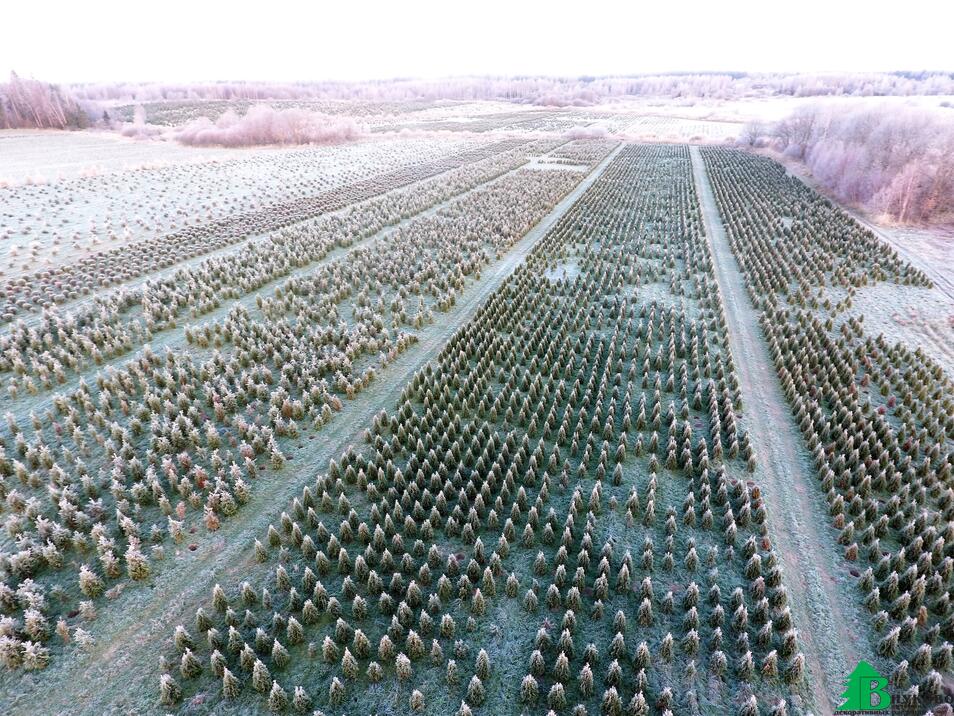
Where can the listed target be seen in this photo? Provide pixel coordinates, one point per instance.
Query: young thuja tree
(529, 690)
(230, 685)
(277, 698)
(475, 691)
(169, 691)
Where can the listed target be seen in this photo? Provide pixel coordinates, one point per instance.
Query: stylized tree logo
(864, 684)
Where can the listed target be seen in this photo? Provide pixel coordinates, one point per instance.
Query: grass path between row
(120, 674)
(831, 627)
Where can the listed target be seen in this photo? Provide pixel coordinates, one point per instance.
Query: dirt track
(822, 609)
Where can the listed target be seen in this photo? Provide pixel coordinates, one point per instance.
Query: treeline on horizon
(30, 103)
(889, 160)
(550, 91)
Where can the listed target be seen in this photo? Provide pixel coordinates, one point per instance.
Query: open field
(497, 409)
(51, 155)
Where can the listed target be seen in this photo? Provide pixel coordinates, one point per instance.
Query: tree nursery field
(465, 407)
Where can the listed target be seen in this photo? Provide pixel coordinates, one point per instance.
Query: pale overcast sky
(178, 40)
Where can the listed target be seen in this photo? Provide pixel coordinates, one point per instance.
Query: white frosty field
(49, 155)
(664, 128)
